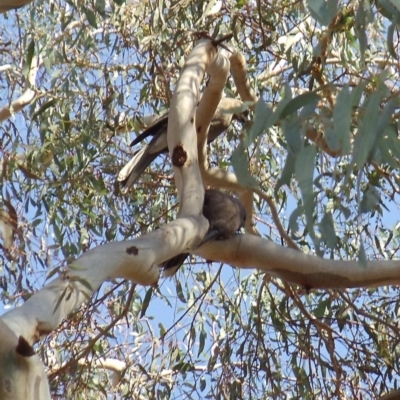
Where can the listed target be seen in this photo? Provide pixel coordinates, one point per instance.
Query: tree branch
(291, 265)
(29, 93)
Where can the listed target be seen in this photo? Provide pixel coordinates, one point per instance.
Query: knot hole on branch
(179, 156)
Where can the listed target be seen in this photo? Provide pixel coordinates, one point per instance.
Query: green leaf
(294, 216)
(287, 96)
(389, 146)
(385, 119)
(183, 367)
(30, 52)
(52, 272)
(389, 40)
(323, 11)
(202, 341)
(362, 257)
(342, 121)
(358, 92)
(179, 292)
(240, 165)
(322, 308)
(293, 135)
(367, 131)
(304, 170)
(360, 28)
(369, 200)
(44, 107)
(146, 302)
(83, 281)
(162, 329)
(327, 228)
(389, 10)
(91, 16)
(100, 7)
(264, 118)
(192, 334)
(287, 172)
(307, 100)
(60, 299)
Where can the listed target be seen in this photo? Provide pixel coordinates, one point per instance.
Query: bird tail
(138, 163)
(172, 265)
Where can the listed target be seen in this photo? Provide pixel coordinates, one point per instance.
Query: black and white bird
(158, 144)
(226, 216)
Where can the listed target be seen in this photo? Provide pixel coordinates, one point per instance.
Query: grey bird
(158, 144)
(225, 214)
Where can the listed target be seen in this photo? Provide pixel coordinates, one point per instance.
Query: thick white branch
(249, 251)
(7, 5)
(112, 364)
(218, 71)
(240, 76)
(182, 140)
(136, 260)
(26, 97)
(22, 375)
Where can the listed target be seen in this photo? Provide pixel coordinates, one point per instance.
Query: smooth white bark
(7, 5)
(310, 271)
(22, 376)
(218, 71)
(136, 260)
(27, 96)
(182, 138)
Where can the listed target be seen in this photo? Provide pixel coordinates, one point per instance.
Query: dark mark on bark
(132, 250)
(24, 348)
(179, 156)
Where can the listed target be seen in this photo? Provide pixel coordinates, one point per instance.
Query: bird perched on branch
(225, 214)
(158, 144)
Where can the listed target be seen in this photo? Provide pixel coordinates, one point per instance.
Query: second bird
(225, 214)
(158, 144)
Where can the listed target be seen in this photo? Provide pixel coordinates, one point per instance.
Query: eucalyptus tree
(312, 310)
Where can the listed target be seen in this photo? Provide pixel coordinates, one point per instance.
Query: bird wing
(130, 173)
(156, 128)
(158, 144)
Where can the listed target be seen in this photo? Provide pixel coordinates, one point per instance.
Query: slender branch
(28, 95)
